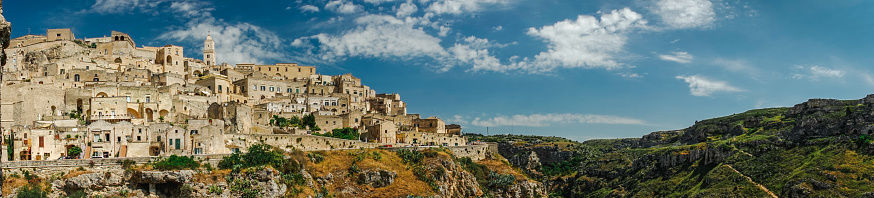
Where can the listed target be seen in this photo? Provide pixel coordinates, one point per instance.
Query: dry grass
(338, 162)
(213, 177)
(11, 184)
(502, 167)
(74, 173)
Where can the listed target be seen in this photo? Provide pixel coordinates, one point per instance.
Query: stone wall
(303, 142)
(474, 152)
(97, 162)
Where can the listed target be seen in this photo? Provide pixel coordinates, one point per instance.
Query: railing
(109, 117)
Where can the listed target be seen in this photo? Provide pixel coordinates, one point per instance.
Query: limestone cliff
(339, 173)
(5, 32)
(819, 148)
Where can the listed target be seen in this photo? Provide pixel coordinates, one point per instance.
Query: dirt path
(751, 180)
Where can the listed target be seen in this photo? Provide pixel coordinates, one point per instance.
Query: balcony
(111, 117)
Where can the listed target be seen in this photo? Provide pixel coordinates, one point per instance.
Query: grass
(405, 183)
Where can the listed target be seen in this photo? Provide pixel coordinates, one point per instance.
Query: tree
(74, 151)
(309, 120)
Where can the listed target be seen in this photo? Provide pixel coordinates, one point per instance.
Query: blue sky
(577, 69)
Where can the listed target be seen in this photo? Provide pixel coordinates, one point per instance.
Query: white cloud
(309, 8)
(235, 43)
(498, 28)
(586, 42)
(379, 36)
(738, 66)
(817, 72)
(679, 57)
(461, 6)
(542, 120)
(457, 119)
(377, 2)
(342, 7)
(703, 86)
(682, 14)
(406, 9)
(122, 6)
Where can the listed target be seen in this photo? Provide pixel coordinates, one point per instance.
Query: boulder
(161, 177)
(377, 178)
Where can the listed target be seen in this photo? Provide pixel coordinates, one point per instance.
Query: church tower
(209, 51)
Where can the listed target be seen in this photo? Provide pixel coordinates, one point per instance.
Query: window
(148, 99)
(289, 90)
(119, 139)
(159, 138)
(271, 89)
(207, 56)
(220, 88)
(76, 78)
(41, 142)
(262, 88)
(59, 34)
(139, 138)
(141, 131)
(193, 132)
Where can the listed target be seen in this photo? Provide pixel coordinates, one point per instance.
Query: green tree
(74, 151)
(309, 121)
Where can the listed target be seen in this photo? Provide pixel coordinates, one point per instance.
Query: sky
(576, 69)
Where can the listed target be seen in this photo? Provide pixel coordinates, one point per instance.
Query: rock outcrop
(162, 177)
(377, 178)
(5, 32)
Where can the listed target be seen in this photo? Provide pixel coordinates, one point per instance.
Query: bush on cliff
(175, 162)
(31, 191)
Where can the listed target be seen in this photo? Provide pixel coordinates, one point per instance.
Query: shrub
(481, 172)
(31, 191)
(263, 154)
(213, 189)
(501, 180)
(175, 162)
(316, 157)
(126, 164)
(410, 157)
(78, 194)
(228, 162)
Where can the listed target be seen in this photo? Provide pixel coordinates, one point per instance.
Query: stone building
(120, 100)
(60, 35)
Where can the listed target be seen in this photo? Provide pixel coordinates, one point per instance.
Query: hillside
(819, 148)
(265, 171)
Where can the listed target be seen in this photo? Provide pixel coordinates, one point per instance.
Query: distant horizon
(579, 70)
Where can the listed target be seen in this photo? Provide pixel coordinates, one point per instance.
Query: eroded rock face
(455, 182)
(5, 32)
(521, 189)
(377, 178)
(161, 177)
(530, 163)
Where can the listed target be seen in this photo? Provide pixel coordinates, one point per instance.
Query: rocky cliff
(819, 148)
(5, 32)
(276, 173)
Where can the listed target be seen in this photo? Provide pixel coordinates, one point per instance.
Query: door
(177, 143)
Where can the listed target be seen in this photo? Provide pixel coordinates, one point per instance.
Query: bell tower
(209, 51)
